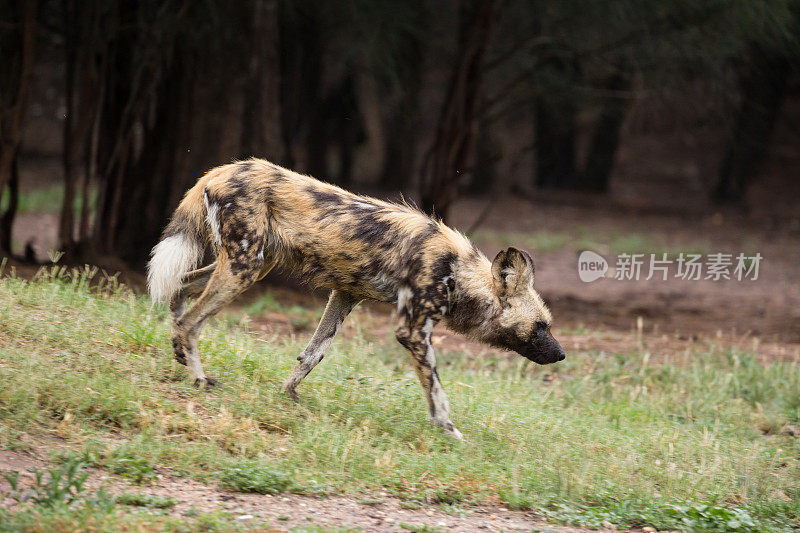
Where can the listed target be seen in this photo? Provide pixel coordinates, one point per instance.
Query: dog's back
(332, 238)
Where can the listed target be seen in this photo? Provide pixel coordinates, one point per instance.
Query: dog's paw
(206, 383)
(455, 433)
(450, 429)
(291, 393)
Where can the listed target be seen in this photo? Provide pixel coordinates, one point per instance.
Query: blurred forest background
(683, 104)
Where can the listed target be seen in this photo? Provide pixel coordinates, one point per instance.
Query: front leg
(415, 336)
(339, 306)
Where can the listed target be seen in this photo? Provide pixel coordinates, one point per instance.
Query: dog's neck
(473, 301)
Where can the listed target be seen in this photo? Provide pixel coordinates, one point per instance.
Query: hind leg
(194, 283)
(238, 224)
(224, 285)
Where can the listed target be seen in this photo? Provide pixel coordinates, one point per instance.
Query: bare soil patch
(373, 512)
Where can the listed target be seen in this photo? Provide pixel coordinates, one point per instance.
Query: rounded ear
(512, 269)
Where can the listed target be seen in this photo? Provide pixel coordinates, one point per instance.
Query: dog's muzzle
(544, 350)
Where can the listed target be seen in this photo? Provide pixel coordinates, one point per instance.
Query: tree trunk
(402, 131)
(91, 167)
(487, 154)
(401, 140)
(763, 90)
(84, 95)
(449, 155)
(11, 119)
(348, 131)
(69, 144)
(132, 78)
(555, 129)
(362, 119)
(148, 180)
(7, 218)
(301, 66)
(605, 141)
(261, 121)
(555, 143)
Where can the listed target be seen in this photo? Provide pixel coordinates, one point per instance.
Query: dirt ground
(375, 512)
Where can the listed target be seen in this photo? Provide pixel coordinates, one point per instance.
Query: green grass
(613, 242)
(693, 445)
(92, 515)
(48, 200)
(254, 476)
(300, 317)
(138, 499)
(540, 241)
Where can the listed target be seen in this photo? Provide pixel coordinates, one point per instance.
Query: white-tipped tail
(171, 259)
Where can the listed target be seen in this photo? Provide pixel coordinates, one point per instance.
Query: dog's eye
(540, 324)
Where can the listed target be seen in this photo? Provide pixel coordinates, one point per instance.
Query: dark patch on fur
(451, 284)
(413, 266)
(403, 336)
(443, 266)
(239, 186)
(180, 224)
(345, 256)
(420, 238)
(373, 230)
(506, 339)
(330, 204)
(325, 198)
(177, 349)
(467, 312)
(375, 267)
(309, 266)
(242, 266)
(243, 167)
(277, 176)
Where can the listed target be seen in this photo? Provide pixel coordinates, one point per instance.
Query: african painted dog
(257, 215)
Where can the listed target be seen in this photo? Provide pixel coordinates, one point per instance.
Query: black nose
(558, 351)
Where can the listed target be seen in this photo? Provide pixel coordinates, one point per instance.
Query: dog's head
(522, 323)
